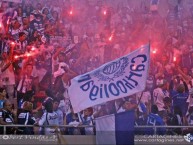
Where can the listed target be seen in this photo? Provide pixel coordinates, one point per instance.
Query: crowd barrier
(83, 126)
(91, 139)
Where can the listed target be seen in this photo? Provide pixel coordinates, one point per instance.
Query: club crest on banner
(112, 70)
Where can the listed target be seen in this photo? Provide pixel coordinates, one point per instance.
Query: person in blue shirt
(2, 97)
(154, 119)
(141, 118)
(180, 96)
(73, 120)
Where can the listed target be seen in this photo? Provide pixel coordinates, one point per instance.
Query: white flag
(116, 79)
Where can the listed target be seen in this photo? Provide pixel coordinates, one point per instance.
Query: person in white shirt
(7, 74)
(59, 112)
(49, 117)
(190, 98)
(159, 94)
(87, 119)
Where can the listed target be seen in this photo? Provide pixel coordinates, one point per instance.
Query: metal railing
(155, 128)
(44, 126)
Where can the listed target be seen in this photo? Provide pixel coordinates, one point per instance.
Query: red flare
(174, 59)
(110, 38)
(154, 51)
(33, 48)
(28, 54)
(16, 56)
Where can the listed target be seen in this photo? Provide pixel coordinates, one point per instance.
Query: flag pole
(140, 98)
(150, 44)
(145, 85)
(79, 117)
(61, 140)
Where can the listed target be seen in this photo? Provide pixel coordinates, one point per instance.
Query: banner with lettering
(116, 79)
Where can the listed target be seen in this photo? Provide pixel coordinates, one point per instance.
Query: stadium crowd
(44, 44)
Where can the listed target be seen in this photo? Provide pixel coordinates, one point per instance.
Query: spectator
(145, 98)
(154, 119)
(27, 10)
(22, 43)
(87, 119)
(26, 24)
(175, 120)
(25, 117)
(26, 83)
(73, 120)
(129, 103)
(141, 118)
(2, 97)
(100, 110)
(189, 121)
(15, 28)
(48, 98)
(59, 112)
(49, 118)
(190, 116)
(7, 117)
(159, 94)
(8, 76)
(37, 23)
(17, 14)
(190, 98)
(167, 106)
(180, 97)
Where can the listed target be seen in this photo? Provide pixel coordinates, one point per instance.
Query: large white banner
(116, 79)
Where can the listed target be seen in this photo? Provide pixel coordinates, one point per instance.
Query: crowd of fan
(36, 67)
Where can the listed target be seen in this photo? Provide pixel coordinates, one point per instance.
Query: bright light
(0, 25)
(71, 12)
(154, 51)
(8, 22)
(105, 12)
(174, 59)
(16, 56)
(33, 48)
(28, 54)
(110, 38)
(12, 43)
